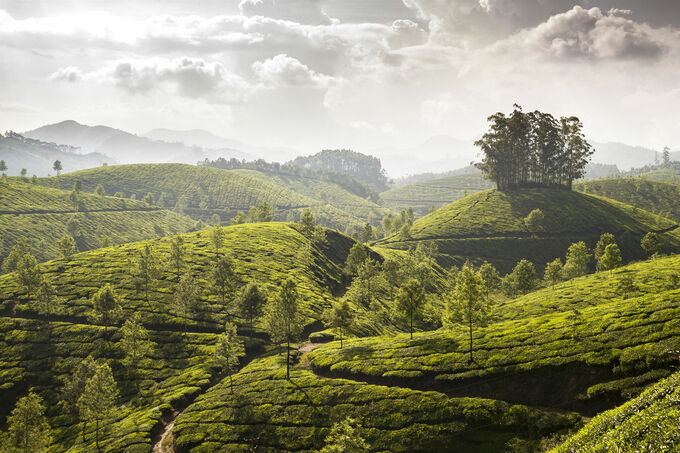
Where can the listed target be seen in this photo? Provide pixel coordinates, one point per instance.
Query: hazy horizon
(313, 74)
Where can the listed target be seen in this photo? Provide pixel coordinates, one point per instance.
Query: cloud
(301, 11)
(282, 71)
(590, 33)
(68, 73)
(185, 76)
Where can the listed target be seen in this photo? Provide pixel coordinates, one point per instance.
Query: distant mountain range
(38, 157)
(124, 147)
(438, 154)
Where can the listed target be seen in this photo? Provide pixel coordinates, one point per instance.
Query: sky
(361, 74)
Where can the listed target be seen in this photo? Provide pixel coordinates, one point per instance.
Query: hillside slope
(201, 192)
(38, 157)
(490, 226)
(39, 352)
(434, 192)
(268, 412)
(326, 192)
(646, 423)
(585, 338)
(653, 196)
(41, 216)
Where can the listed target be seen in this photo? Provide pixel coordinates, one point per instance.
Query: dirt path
(308, 347)
(160, 445)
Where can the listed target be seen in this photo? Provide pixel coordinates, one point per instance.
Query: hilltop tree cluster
(533, 150)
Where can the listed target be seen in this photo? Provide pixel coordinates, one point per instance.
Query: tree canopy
(533, 150)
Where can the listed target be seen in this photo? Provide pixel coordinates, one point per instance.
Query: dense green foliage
(533, 149)
(539, 342)
(41, 216)
(491, 225)
(422, 196)
(201, 192)
(365, 168)
(656, 197)
(647, 423)
(272, 413)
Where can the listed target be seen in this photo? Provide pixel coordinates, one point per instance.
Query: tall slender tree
(185, 299)
(217, 238)
(340, 317)
(145, 270)
(222, 278)
(107, 305)
(251, 302)
(468, 306)
(98, 399)
(228, 350)
(177, 254)
(411, 301)
(27, 427)
(284, 320)
(136, 343)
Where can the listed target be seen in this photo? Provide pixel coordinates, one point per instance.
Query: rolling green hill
(273, 414)
(490, 226)
(41, 216)
(653, 196)
(435, 192)
(583, 345)
(39, 353)
(326, 192)
(646, 423)
(201, 192)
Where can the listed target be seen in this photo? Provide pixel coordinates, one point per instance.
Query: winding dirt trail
(160, 445)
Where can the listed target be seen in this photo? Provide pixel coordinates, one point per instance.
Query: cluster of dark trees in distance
(533, 150)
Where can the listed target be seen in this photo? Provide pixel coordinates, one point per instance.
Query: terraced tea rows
(268, 412)
(41, 216)
(202, 192)
(491, 226)
(596, 347)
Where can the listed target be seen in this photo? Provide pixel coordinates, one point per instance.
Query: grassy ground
(436, 192)
(203, 191)
(584, 338)
(657, 197)
(39, 216)
(646, 423)
(490, 226)
(272, 414)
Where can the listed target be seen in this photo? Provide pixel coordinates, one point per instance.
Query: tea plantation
(326, 192)
(435, 192)
(595, 344)
(657, 197)
(269, 413)
(491, 226)
(40, 216)
(646, 423)
(201, 192)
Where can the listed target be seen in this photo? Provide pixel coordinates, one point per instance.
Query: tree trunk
(470, 340)
(97, 434)
(340, 338)
(288, 359)
(411, 327)
(231, 383)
